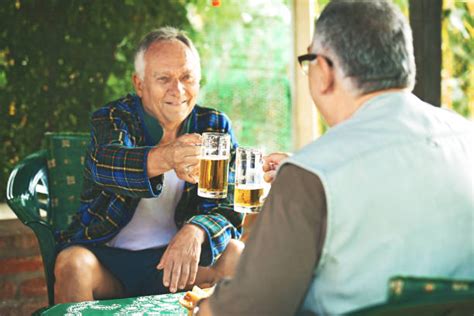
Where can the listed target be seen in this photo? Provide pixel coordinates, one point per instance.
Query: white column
(305, 118)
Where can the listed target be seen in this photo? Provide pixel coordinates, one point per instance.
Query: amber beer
(214, 165)
(248, 198)
(213, 173)
(249, 186)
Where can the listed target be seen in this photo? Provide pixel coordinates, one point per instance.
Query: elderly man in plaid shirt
(141, 228)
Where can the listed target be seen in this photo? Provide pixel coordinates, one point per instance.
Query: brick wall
(22, 284)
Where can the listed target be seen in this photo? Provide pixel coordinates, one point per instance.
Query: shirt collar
(153, 129)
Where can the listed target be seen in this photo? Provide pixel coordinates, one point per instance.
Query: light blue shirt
(398, 178)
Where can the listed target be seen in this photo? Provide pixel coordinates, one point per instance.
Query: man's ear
(327, 75)
(138, 84)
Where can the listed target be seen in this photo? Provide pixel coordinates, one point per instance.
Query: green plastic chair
(49, 180)
(424, 297)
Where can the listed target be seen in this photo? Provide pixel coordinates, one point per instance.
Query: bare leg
(81, 277)
(224, 266)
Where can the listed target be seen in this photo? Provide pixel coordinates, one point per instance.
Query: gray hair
(166, 33)
(371, 41)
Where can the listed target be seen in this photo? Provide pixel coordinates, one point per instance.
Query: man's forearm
(197, 231)
(114, 165)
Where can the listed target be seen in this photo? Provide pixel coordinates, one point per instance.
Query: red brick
(10, 308)
(27, 308)
(17, 240)
(33, 287)
(18, 265)
(7, 290)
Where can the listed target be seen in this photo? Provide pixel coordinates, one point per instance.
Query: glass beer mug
(214, 165)
(249, 184)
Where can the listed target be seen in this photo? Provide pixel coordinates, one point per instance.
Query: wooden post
(425, 20)
(305, 119)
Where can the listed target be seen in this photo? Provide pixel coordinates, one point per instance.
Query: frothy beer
(213, 173)
(248, 198)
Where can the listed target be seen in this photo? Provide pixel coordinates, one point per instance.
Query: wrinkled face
(170, 85)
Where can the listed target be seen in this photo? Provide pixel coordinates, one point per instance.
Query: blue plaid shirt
(115, 178)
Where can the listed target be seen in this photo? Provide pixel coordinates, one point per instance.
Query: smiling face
(170, 84)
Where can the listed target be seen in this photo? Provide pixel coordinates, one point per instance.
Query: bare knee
(235, 247)
(226, 264)
(81, 277)
(74, 261)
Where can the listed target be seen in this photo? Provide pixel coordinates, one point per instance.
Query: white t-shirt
(153, 223)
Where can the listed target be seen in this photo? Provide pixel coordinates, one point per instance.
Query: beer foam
(214, 158)
(249, 186)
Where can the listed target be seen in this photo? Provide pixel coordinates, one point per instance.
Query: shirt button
(159, 187)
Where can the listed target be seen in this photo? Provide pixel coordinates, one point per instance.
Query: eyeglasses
(306, 59)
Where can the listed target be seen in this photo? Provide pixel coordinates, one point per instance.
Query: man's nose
(176, 87)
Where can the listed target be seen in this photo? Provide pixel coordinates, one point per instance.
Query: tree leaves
(56, 61)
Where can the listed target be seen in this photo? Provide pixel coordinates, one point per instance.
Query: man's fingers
(275, 158)
(160, 264)
(267, 166)
(269, 176)
(184, 276)
(193, 272)
(175, 275)
(190, 139)
(168, 267)
(188, 171)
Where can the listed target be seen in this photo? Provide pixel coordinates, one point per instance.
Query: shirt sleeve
(282, 251)
(114, 160)
(217, 217)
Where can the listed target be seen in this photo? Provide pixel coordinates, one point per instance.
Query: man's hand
(182, 155)
(271, 163)
(181, 258)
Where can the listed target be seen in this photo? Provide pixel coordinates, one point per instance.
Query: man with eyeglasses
(386, 191)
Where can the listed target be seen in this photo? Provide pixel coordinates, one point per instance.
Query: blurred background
(61, 60)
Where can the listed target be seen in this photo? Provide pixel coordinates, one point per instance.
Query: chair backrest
(66, 156)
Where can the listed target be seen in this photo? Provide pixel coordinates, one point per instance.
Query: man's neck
(362, 99)
(349, 104)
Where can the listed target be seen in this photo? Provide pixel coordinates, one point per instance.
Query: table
(166, 304)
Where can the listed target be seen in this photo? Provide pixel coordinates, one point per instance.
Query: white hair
(140, 64)
(166, 33)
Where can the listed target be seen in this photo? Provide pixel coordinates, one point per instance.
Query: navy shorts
(136, 270)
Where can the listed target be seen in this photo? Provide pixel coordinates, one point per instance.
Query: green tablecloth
(167, 304)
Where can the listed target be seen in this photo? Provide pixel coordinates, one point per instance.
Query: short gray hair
(166, 33)
(371, 41)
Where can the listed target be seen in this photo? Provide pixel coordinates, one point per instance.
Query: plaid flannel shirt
(115, 179)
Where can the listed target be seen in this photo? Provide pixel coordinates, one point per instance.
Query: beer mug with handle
(214, 165)
(249, 184)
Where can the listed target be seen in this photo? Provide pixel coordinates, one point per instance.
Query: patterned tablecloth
(167, 304)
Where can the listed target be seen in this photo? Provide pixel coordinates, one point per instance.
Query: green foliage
(59, 60)
(245, 49)
(458, 57)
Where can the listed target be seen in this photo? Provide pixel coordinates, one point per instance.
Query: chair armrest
(423, 296)
(407, 288)
(22, 185)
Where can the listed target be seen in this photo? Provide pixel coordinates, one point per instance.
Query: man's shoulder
(211, 118)
(125, 105)
(206, 112)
